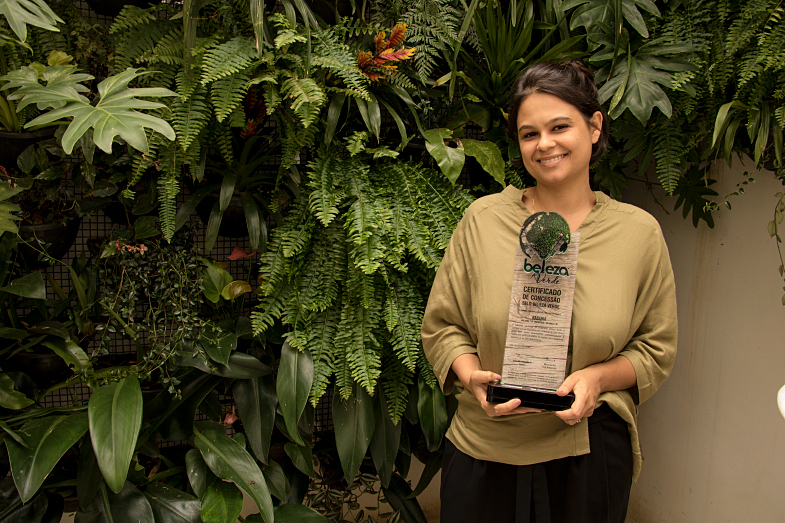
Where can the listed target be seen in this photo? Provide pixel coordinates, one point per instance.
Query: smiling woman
(526, 465)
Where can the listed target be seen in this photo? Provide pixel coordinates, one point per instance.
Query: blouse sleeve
(448, 328)
(652, 348)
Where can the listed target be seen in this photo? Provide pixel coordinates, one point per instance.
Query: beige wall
(713, 439)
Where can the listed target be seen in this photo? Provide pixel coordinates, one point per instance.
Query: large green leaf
(302, 457)
(241, 366)
(489, 157)
(88, 474)
(450, 159)
(397, 495)
(28, 286)
(48, 439)
(222, 503)
(277, 482)
(433, 414)
(174, 417)
(214, 280)
(199, 474)
(45, 507)
(73, 355)
(291, 513)
(171, 505)
(112, 116)
(19, 13)
(354, 422)
(230, 461)
(10, 398)
(128, 506)
(256, 401)
(115, 413)
(386, 439)
(295, 377)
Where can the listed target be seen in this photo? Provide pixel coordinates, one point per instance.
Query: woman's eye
(527, 136)
(560, 127)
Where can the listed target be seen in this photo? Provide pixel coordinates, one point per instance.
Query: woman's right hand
(468, 371)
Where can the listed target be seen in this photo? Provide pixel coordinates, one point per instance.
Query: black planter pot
(45, 369)
(233, 224)
(113, 7)
(58, 239)
(14, 144)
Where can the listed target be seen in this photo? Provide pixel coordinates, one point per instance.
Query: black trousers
(593, 488)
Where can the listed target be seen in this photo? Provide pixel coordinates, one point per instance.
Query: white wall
(713, 439)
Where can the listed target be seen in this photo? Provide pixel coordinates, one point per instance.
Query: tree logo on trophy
(538, 327)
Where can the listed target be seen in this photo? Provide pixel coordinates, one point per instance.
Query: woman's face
(555, 139)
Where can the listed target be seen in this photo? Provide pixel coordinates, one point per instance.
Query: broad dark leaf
(128, 506)
(171, 505)
(241, 366)
(354, 422)
(295, 376)
(222, 503)
(48, 439)
(199, 474)
(386, 439)
(277, 482)
(28, 286)
(88, 474)
(302, 457)
(433, 414)
(397, 495)
(228, 460)
(115, 413)
(256, 402)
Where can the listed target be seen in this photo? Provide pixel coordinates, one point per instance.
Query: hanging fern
(306, 98)
(168, 188)
(190, 116)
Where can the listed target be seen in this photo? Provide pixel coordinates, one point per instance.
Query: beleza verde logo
(544, 235)
(536, 268)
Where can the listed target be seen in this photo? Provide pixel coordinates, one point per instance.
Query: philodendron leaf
(11, 398)
(28, 286)
(302, 458)
(241, 366)
(450, 159)
(354, 422)
(432, 408)
(230, 461)
(256, 402)
(214, 280)
(386, 439)
(73, 355)
(235, 289)
(127, 506)
(19, 13)
(112, 116)
(115, 412)
(199, 475)
(171, 505)
(48, 439)
(295, 376)
(488, 155)
(222, 503)
(277, 482)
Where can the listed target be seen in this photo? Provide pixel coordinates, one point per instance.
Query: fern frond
(306, 98)
(228, 93)
(403, 316)
(319, 279)
(271, 307)
(397, 379)
(358, 343)
(234, 56)
(190, 115)
(130, 17)
(297, 235)
(224, 140)
(669, 152)
(338, 58)
(326, 197)
(321, 345)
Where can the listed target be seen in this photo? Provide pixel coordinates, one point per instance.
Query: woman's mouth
(552, 160)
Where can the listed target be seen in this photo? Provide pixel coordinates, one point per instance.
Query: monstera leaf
(112, 116)
(62, 84)
(19, 13)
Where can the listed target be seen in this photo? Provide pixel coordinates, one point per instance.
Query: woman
(506, 463)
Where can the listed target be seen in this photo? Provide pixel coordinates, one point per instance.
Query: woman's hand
(467, 369)
(585, 384)
(478, 385)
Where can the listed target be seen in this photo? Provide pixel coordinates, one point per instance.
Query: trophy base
(530, 397)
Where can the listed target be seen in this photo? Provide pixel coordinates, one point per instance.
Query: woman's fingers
(482, 376)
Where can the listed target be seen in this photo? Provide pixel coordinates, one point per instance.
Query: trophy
(538, 327)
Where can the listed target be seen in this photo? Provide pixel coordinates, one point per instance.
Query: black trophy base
(530, 397)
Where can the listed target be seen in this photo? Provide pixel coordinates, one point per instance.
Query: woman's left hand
(585, 384)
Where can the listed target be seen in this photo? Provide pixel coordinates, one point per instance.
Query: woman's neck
(574, 204)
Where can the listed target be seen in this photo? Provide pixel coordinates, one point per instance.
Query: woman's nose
(545, 142)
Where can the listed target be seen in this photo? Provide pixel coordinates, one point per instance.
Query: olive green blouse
(625, 304)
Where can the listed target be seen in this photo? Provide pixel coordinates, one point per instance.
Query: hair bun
(580, 68)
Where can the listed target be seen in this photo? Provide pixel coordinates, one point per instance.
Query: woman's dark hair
(571, 81)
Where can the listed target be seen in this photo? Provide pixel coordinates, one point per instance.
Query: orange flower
(381, 43)
(397, 35)
(392, 55)
(364, 58)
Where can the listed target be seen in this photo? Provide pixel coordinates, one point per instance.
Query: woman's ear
(596, 126)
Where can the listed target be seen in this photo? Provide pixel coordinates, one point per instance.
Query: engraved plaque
(538, 328)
